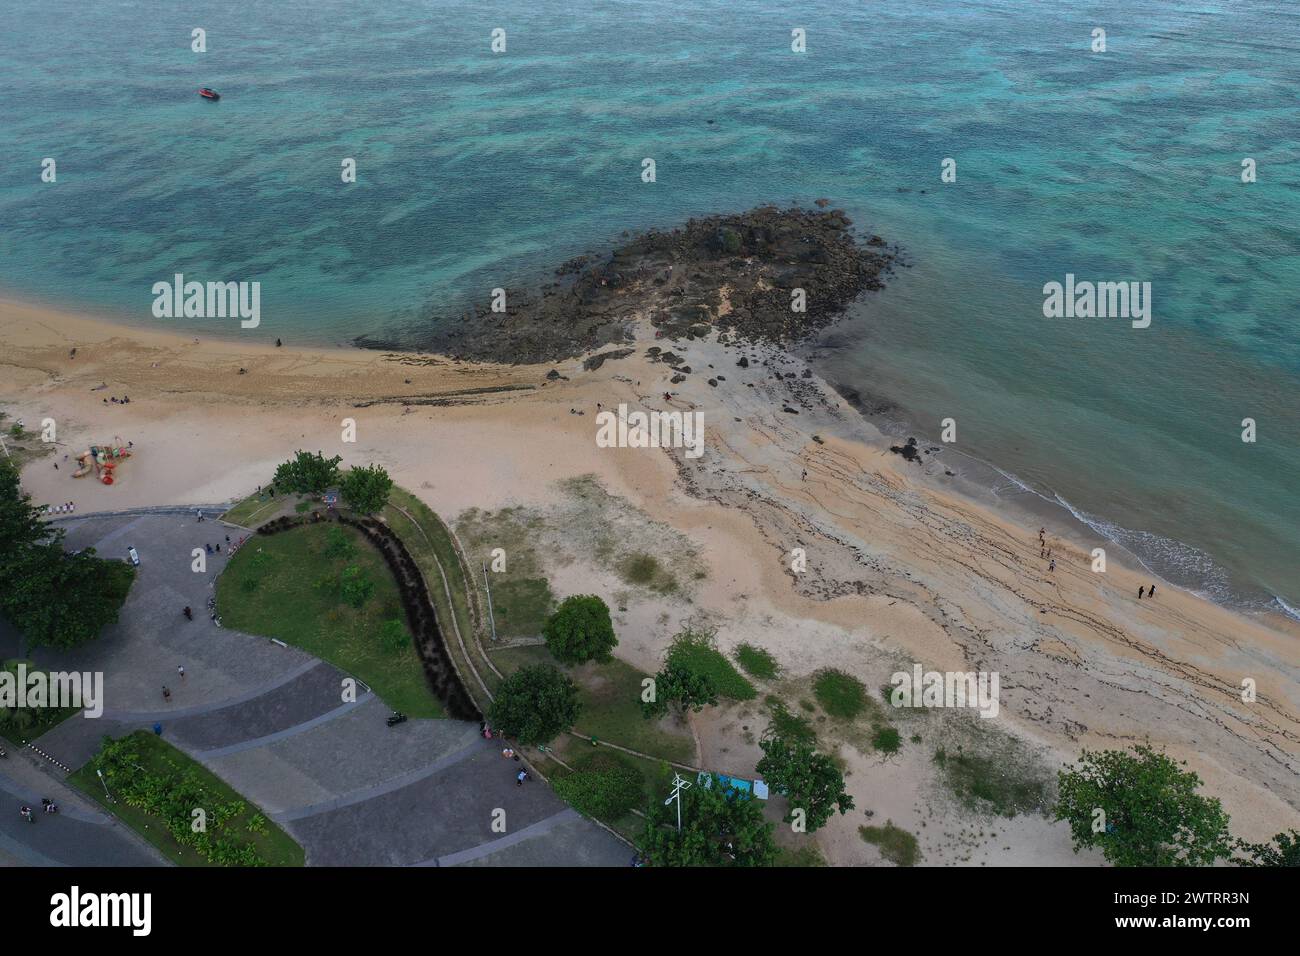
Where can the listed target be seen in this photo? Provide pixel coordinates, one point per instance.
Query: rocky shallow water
(771, 275)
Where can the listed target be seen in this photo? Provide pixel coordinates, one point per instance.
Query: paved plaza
(272, 722)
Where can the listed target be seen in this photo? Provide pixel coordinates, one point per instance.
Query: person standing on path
(180, 669)
(189, 614)
(521, 777)
(167, 695)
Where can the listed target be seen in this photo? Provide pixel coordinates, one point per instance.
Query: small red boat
(208, 94)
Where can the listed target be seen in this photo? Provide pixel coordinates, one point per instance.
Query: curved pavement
(272, 722)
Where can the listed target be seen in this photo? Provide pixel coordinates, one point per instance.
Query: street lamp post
(679, 784)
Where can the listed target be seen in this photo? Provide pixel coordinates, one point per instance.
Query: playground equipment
(102, 459)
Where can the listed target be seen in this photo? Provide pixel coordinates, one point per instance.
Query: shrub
(355, 587)
(895, 844)
(840, 694)
(695, 650)
(886, 740)
(338, 544)
(756, 661)
(606, 789)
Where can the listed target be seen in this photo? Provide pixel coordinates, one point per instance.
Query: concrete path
(272, 722)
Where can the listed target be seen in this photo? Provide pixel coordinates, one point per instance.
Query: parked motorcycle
(397, 718)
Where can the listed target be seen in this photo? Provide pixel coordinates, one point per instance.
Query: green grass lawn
(521, 596)
(169, 766)
(253, 510)
(276, 586)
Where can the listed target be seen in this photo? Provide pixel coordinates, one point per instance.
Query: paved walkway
(272, 722)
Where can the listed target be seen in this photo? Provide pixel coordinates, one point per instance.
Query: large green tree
(365, 490)
(62, 600)
(1140, 809)
(717, 830)
(52, 597)
(535, 704)
(308, 473)
(580, 630)
(809, 780)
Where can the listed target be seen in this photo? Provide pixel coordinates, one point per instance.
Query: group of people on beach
(1046, 552)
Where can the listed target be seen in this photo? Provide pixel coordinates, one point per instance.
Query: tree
(717, 830)
(535, 704)
(54, 598)
(366, 489)
(1285, 853)
(678, 686)
(580, 630)
(308, 473)
(809, 780)
(1140, 809)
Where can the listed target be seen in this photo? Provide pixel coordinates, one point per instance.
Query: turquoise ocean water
(476, 170)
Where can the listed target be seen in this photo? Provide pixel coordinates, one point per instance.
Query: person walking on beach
(1052, 565)
(1140, 590)
(1151, 591)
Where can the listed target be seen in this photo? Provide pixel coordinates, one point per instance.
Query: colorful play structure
(103, 459)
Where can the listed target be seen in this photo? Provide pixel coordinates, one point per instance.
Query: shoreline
(901, 565)
(1049, 507)
(1031, 506)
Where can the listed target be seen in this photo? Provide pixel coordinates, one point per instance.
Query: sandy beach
(903, 565)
